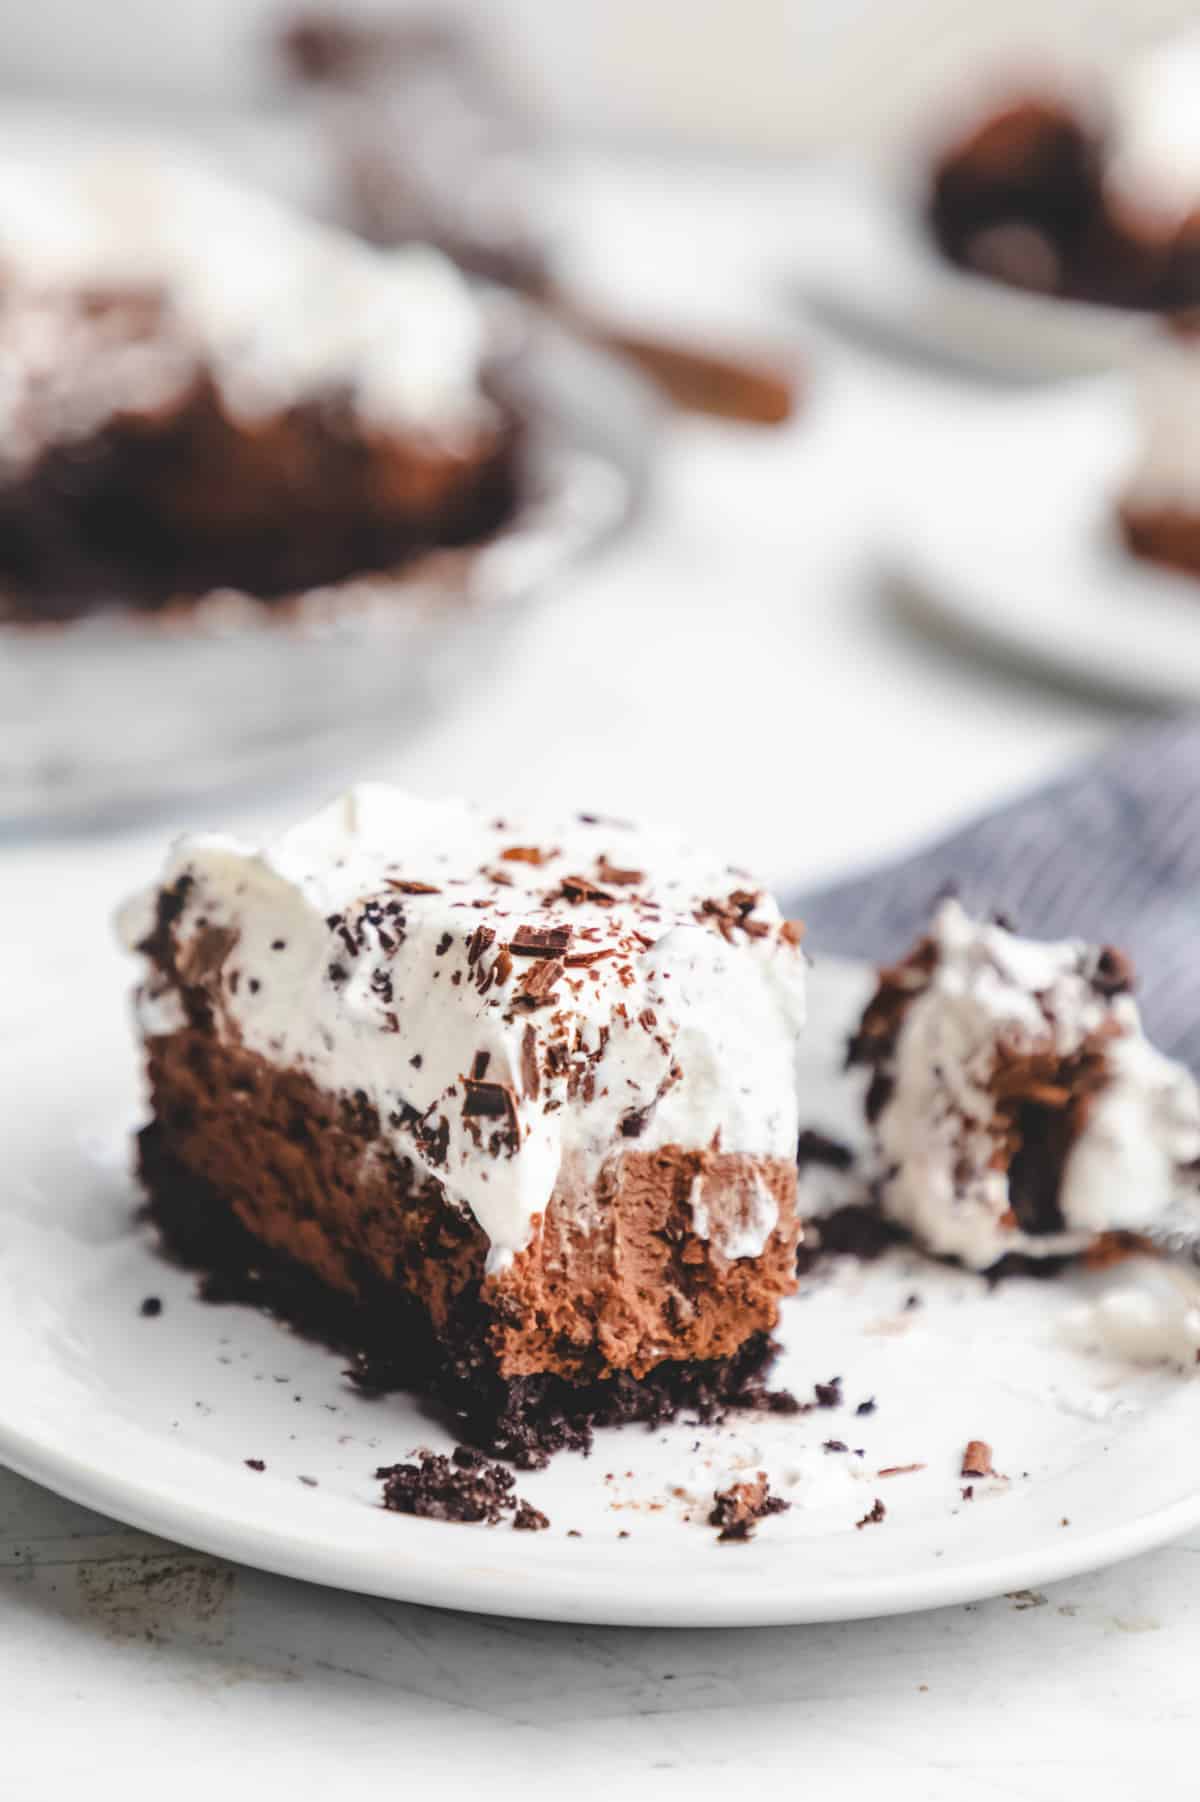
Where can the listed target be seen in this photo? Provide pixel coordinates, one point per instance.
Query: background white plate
(864, 254)
(152, 1420)
(1003, 529)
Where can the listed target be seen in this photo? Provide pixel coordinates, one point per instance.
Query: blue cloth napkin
(1109, 853)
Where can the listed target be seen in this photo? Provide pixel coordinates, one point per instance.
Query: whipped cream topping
(517, 1002)
(990, 995)
(274, 307)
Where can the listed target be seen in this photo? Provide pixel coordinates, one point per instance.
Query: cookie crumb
(873, 1516)
(466, 1486)
(738, 1509)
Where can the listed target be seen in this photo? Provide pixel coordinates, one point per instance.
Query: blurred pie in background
(201, 391)
(1084, 192)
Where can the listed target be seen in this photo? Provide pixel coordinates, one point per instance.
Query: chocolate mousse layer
(285, 1196)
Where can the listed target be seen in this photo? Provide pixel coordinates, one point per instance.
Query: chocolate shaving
(898, 1470)
(977, 1459)
(733, 913)
(874, 1515)
(611, 873)
(526, 854)
(488, 1100)
(540, 941)
(576, 889)
(404, 887)
(480, 1065)
(530, 1078)
(478, 943)
(538, 982)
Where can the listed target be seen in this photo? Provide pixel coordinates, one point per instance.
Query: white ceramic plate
(865, 254)
(1003, 531)
(152, 1420)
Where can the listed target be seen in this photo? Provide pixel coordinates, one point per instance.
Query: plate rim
(584, 1594)
(926, 580)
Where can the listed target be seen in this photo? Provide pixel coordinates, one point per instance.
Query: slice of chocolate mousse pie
(508, 1109)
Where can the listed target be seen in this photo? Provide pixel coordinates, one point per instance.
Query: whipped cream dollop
(517, 1002)
(1165, 468)
(984, 998)
(273, 307)
(1149, 1313)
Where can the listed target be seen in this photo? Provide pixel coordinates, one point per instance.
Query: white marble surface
(734, 666)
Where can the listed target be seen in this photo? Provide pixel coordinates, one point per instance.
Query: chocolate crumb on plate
(464, 1487)
(867, 1407)
(254, 1464)
(738, 1509)
(899, 1470)
(873, 1516)
(151, 1308)
(977, 1459)
(829, 1395)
